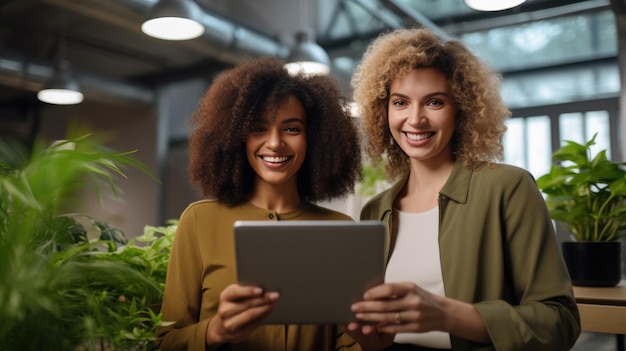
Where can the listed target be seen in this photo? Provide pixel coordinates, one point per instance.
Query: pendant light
(174, 20)
(62, 88)
(492, 5)
(307, 57)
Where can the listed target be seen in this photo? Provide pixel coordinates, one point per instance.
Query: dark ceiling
(113, 58)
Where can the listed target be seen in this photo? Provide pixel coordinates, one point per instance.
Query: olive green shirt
(202, 264)
(499, 252)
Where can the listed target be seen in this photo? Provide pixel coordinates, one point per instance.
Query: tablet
(319, 267)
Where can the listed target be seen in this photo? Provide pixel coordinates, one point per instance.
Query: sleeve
(182, 295)
(546, 317)
(343, 342)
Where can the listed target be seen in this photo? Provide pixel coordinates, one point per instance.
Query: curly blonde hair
(481, 113)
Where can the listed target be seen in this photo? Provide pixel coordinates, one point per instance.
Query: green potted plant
(587, 197)
(69, 281)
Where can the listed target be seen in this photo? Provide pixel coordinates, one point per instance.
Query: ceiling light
(493, 5)
(307, 57)
(174, 20)
(62, 88)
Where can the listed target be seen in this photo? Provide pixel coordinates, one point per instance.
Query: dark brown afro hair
(238, 98)
(481, 113)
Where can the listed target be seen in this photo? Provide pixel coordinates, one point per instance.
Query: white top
(415, 258)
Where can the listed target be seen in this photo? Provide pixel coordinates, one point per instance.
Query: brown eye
(293, 129)
(435, 102)
(257, 130)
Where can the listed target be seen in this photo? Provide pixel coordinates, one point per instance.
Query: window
(532, 137)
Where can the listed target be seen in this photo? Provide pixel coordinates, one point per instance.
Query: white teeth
(421, 136)
(275, 159)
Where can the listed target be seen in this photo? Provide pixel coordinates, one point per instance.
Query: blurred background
(562, 63)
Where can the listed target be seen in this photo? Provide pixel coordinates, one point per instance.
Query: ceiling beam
(233, 39)
(460, 27)
(408, 12)
(30, 76)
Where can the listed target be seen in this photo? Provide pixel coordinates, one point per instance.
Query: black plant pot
(593, 263)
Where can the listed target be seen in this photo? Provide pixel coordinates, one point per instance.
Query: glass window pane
(546, 42)
(538, 144)
(561, 85)
(527, 144)
(514, 147)
(571, 127)
(598, 122)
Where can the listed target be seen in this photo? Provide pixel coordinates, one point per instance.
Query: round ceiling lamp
(307, 57)
(174, 20)
(62, 88)
(493, 5)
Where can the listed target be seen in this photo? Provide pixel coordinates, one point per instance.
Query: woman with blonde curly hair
(266, 146)
(473, 262)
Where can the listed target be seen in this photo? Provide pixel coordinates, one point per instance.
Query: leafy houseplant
(374, 179)
(588, 197)
(60, 290)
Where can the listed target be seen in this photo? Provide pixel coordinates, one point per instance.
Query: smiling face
(277, 145)
(421, 115)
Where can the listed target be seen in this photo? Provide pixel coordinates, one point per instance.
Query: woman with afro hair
(267, 145)
(473, 261)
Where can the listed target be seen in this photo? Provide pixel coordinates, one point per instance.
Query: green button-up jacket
(499, 252)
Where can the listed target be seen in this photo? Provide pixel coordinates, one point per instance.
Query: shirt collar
(456, 187)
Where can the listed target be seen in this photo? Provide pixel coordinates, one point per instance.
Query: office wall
(126, 128)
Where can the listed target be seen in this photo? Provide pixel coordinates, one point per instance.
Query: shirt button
(271, 216)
